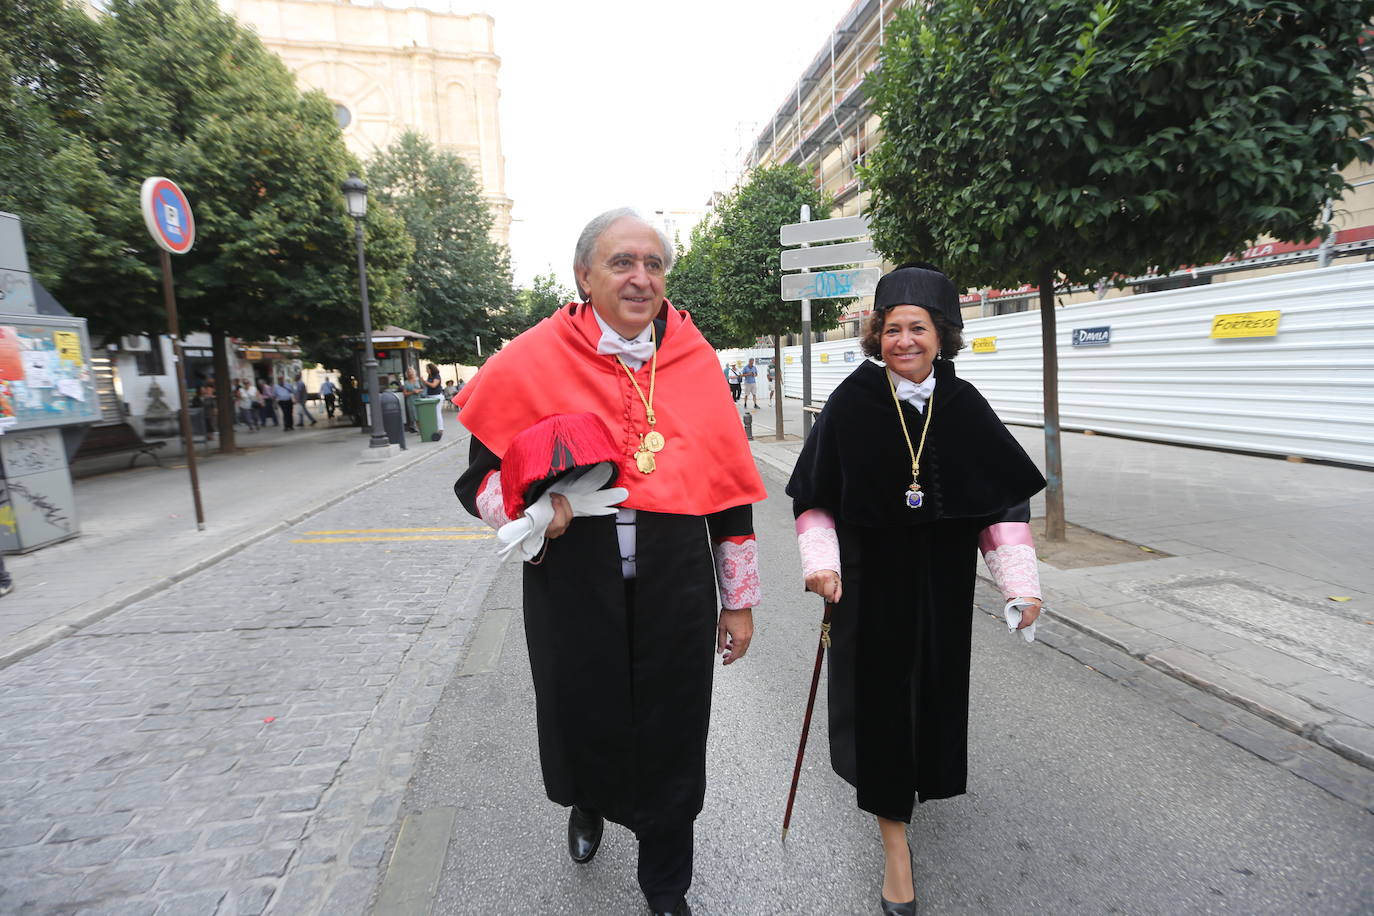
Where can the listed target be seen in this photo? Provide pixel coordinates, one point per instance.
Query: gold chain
(917, 452)
(653, 373)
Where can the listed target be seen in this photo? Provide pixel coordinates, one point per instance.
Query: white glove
(582, 488)
(1012, 612)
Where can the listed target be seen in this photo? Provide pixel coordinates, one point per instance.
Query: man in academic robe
(621, 611)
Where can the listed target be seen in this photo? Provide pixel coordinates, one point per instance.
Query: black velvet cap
(919, 284)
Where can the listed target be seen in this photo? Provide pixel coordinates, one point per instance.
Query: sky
(607, 104)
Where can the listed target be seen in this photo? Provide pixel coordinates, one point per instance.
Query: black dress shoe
(584, 834)
(898, 909)
(681, 909)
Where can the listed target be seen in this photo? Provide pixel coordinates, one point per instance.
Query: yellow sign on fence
(68, 346)
(1246, 324)
(985, 345)
(825, 357)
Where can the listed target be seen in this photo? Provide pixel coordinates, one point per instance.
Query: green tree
(746, 258)
(536, 302)
(692, 286)
(184, 91)
(1064, 141)
(459, 284)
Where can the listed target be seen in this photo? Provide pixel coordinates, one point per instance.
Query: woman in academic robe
(905, 476)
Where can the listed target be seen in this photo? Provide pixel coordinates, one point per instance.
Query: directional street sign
(167, 214)
(824, 230)
(830, 284)
(826, 255)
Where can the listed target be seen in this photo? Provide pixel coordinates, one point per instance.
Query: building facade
(389, 69)
(825, 125)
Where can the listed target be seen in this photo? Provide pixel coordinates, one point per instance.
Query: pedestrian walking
(267, 404)
(285, 404)
(732, 375)
(245, 405)
(750, 376)
(434, 388)
(772, 381)
(905, 475)
(302, 396)
(620, 640)
(328, 391)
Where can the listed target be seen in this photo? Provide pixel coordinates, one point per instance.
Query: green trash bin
(427, 418)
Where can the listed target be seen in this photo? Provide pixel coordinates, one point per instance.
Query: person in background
(733, 377)
(285, 404)
(410, 390)
(772, 381)
(245, 404)
(751, 383)
(328, 392)
(6, 580)
(434, 388)
(267, 404)
(302, 394)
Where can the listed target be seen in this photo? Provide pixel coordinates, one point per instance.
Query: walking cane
(806, 723)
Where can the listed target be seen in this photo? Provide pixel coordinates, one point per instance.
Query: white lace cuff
(820, 549)
(491, 504)
(737, 572)
(1014, 570)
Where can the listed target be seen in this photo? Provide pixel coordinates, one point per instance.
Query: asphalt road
(1088, 793)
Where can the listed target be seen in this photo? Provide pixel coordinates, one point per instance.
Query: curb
(1350, 740)
(26, 642)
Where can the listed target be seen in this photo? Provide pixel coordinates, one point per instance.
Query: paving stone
(267, 863)
(202, 903)
(24, 834)
(163, 844)
(1353, 742)
(368, 851)
(249, 834)
(86, 827)
(350, 895)
(84, 853)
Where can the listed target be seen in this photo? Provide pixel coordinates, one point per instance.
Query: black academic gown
(898, 675)
(623, 669)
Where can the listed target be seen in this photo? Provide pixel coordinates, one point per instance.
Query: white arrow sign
(826, 255)
(824, 230)
(830, 284)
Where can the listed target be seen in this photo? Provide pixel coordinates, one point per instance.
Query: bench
(120, 437)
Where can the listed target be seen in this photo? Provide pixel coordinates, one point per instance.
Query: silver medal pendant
(913, 499)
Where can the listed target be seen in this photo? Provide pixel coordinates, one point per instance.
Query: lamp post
(355, 193)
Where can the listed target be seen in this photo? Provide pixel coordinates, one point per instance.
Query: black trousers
(665, 866)
(329, 405)
(288, 412)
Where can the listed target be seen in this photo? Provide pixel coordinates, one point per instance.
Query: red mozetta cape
(554, 368)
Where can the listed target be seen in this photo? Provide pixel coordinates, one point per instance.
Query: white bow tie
(638, 350)
(914, 394)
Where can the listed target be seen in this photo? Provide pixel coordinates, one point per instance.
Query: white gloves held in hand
(582, 488)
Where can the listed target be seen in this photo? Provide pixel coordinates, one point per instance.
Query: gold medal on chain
(653, 440)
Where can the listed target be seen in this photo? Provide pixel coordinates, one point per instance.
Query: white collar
(635, 351)
(914, 393)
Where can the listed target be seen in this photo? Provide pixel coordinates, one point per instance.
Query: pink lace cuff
(1013, 568)
(820, 547)
(491, 504)
(737, 572)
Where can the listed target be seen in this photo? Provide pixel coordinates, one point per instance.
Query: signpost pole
(806, 347)
(173, 327)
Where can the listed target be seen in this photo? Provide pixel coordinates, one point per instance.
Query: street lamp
(355, 193)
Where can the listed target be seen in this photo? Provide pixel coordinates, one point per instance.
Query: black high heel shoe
(898, 909)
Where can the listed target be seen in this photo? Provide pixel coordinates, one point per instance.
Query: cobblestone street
(241, 741)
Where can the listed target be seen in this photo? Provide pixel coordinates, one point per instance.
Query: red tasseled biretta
(540, 454)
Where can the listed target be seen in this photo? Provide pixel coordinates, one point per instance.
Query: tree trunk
(224, 391)
(777, 386)
(1054, 471)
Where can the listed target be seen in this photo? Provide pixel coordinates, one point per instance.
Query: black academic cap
(920, 284)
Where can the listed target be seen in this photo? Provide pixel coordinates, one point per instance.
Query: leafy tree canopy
(692, 286)
(745, 253)
(177, 88)
(538, 301)
(459, 284)
(1100, 138)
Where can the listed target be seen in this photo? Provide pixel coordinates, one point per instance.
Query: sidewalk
(138, 526)
(1254, 583)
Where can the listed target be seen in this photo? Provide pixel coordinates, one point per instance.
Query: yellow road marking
(390, 530)
(406, 537)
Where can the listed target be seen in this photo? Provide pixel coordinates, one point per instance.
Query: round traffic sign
(167, 213)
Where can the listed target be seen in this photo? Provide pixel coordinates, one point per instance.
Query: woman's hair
(951, 338)
(411, 373)
(431, 369)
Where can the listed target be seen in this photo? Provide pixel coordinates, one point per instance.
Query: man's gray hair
(586, 242)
